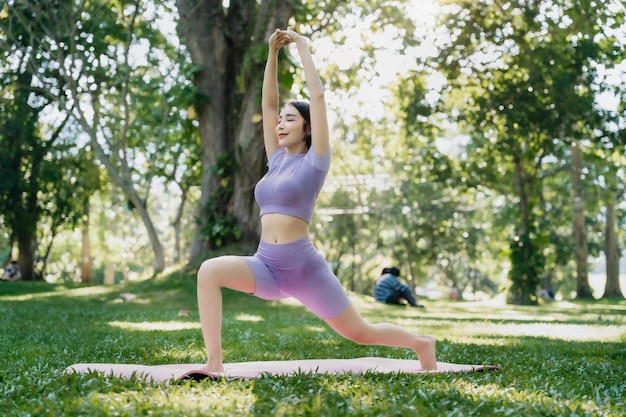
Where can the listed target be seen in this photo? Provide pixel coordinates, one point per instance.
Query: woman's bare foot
(214, 366)
(426, 353)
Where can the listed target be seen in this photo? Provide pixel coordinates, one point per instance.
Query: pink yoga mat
(256, 369)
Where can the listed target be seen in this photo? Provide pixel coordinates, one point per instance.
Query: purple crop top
(292, 183)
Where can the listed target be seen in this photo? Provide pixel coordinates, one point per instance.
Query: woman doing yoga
(286, 263)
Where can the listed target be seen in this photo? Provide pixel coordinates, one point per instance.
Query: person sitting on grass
(12, 272)
(390, 290)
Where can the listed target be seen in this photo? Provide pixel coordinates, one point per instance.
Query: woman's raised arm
(269, 94)
(319, 118)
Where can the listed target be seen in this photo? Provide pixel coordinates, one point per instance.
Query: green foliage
(44, 185)
(559, 359)
(109, 70)
(527, 264)
(221, 227)
(521, 82)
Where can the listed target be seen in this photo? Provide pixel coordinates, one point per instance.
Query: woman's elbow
(317, 95)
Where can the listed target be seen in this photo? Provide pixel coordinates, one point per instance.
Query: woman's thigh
(230, 272)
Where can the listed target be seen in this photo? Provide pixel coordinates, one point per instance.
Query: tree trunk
(109, 272)
(250, 151)
(583, 290)
(546, 281)
(26, 247)
(252, 164)
(155, 241)
(203, 26)
(24, 155)
(527, 259)
(611, 247)
(177, 224)
(86, 270)
(110, 264)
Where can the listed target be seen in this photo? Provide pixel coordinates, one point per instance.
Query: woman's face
(290, 127)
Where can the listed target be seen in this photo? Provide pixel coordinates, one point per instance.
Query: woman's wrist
(302, 42)
(272, 54)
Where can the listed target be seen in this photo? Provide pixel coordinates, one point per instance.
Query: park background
(477, 143)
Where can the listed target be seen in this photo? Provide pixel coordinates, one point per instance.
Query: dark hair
(305, 111)
(392, 270)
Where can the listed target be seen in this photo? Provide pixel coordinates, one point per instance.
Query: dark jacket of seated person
(390, 290)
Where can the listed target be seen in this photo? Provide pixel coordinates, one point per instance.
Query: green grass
(562, 359)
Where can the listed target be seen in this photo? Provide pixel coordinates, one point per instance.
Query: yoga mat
(239, 370)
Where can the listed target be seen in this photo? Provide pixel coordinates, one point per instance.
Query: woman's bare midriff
(282, 228)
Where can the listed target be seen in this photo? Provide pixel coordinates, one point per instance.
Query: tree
(610, 161)
(36, 157)
(21, 166)
(523, 76)
(228, 47)
(89, 178)
(611, 245)
(111, 71)
(357, 224)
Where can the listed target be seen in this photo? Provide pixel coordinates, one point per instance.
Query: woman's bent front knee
(206, 273)
(226, 272)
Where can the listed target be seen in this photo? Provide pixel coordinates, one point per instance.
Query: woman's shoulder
(320, 162)
(276, 156)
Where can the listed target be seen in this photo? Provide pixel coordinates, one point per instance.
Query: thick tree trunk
(252, 164)
(203, 26)
(271, 14)
(583, 290)
(611, 249)
(250, 151)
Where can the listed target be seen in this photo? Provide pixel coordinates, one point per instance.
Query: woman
(286, 263)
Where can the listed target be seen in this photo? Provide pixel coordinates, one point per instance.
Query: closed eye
(288, 119)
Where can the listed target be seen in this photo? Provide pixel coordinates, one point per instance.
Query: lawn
(562, 359)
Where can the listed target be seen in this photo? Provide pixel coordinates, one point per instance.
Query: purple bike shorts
(297, 270)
